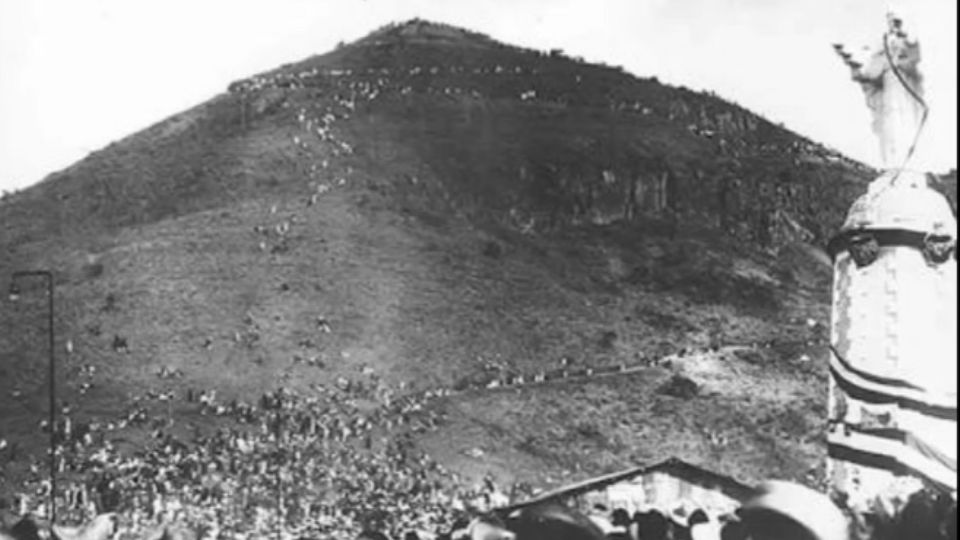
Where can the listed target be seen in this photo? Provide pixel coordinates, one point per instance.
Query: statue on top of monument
(893, 86)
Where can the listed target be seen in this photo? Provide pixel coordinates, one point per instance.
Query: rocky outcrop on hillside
(577, 143)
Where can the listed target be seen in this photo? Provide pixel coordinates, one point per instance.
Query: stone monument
(893, 86)
(893, 354)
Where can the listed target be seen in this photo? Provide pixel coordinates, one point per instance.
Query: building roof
(672, 466)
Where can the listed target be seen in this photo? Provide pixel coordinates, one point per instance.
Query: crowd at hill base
(778, 510)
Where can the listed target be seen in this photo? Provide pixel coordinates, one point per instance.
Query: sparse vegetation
(414, 276)
(607, 340)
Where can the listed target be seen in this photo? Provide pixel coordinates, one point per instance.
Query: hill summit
(430, 225)
(427, 32)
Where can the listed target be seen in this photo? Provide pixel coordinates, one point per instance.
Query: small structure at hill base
(665, 487)
(893, 355)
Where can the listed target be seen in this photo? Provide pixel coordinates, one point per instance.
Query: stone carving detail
(938, 249)
(864, 249)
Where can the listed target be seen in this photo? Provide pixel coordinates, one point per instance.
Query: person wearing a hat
(678, 524)
(702, 527)
(781, 510)
(620, 520)
(651, 524)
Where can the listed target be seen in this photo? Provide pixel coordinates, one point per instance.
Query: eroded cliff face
(626, 167)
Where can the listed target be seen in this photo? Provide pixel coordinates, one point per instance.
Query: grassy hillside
(427, 208)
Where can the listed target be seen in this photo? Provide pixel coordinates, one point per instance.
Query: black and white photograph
(478, 270)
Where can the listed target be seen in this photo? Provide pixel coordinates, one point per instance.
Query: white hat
(811, 509)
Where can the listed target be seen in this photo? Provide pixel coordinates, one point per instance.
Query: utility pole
(14, 296)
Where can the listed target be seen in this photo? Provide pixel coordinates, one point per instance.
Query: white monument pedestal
(893, 360)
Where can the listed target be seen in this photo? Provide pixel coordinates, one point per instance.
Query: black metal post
(52, 382)
(279, 504)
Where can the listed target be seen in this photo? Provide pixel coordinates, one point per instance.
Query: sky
(76, 75)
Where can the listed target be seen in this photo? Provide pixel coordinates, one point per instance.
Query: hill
(429, 213)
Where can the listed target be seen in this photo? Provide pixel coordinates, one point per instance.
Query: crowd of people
(288, 465)
(776, 510)
(300, 463)
(334, 93)
(321, 466)
(478, 79)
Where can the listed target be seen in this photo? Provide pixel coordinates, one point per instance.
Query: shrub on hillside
(492, 249)
(93, 271)
(607, 340)
(749, 356)
(590, 430)
(680, 387)
(463, 383)
(109, 303)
